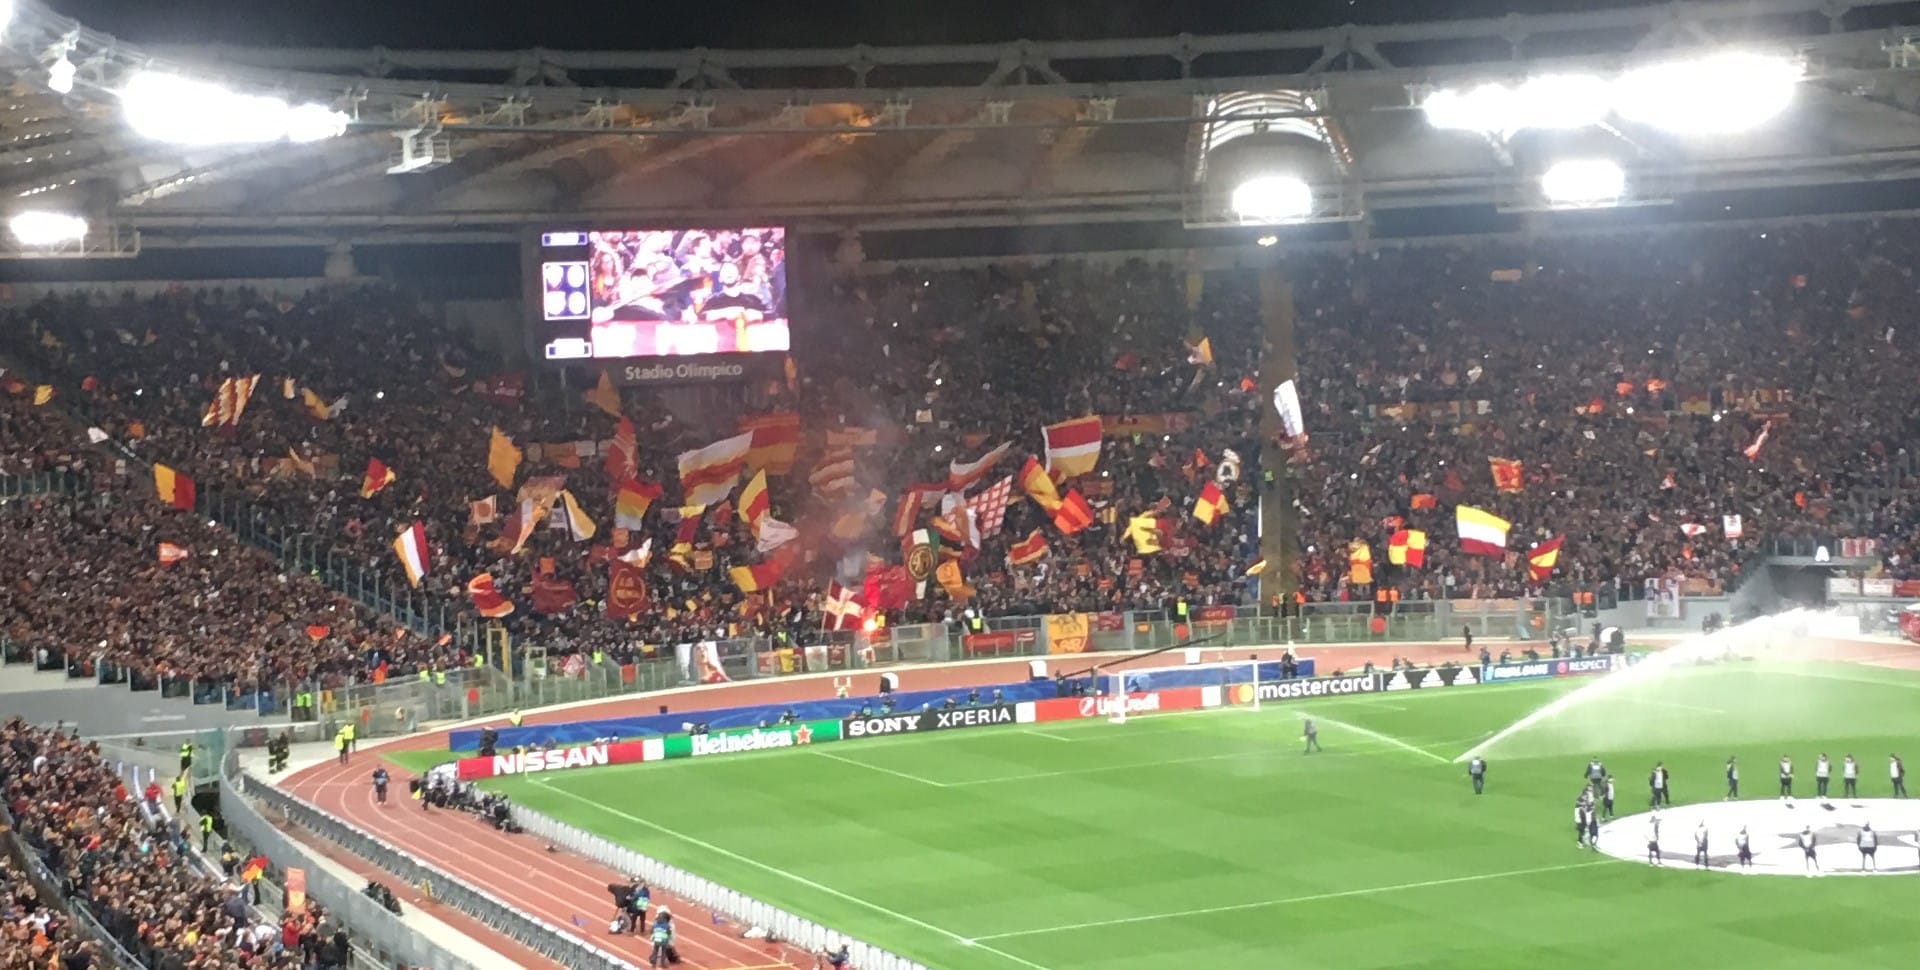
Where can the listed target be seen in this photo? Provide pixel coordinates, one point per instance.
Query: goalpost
(1238, 680)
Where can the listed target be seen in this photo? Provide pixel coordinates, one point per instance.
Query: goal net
(1239, 682)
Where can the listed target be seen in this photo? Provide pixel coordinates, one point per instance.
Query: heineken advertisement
(742, 740)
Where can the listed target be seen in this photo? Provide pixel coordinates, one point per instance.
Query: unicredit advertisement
(1151, 702)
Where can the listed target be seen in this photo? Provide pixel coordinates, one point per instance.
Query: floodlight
(1272, 198)
(166, 107)
(60, 75)
(1483, 109)
(39, 228)
(1581, 182)
(6, 14)
(1560, 101)
(1720, 94)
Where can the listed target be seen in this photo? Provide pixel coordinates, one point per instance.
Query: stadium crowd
(134, 869)
(1629, 376)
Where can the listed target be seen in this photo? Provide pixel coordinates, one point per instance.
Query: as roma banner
(626, 589)
(1067, 633)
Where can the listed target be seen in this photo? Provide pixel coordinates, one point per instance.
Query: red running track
(557, 886)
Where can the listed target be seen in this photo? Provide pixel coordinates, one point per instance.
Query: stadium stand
(132, 867)
(1418, 364)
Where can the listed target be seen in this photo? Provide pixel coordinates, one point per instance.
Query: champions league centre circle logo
(1774, 831)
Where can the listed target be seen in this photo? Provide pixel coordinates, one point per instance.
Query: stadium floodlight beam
(6, 15)
(1583, 182)
(40, 228)
(166, 107)
(1550, 101)
(1722, 93)
(60, 75)
(1273, 198)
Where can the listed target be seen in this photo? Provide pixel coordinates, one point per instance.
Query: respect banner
(741, 740)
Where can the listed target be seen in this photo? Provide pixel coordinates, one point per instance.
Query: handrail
(538, 935)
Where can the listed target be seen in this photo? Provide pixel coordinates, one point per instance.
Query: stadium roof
(902, 137)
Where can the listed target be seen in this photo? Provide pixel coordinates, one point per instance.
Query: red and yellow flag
(378, 476)
(486, 599)
(1507, 474)
(1407, 547)
(1074, 514)
(1032, 549)
(1212, 504)
(173, 488)
(1542, 558)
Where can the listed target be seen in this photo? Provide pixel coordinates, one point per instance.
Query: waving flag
(1034, 481)
(170, 553)
(989, 509)
(1144, 531)
(173, 488)
(483, 511)
(42, 394)
(1286, 401)
(1073, 447)
(229, 402)
(1542, 557)
(775, 439)
(604, 396)
(1360, 563)
(503, 458)
(1752, 451)
(753, 499)
(1074, 514)
(1507, 474)
(760, 576)
(623, 454)
(1212, 504)
(708, 474)
(486, 599)
(841, 610)
(631, 502)
(1481, 533)
(579, 524)
(1407, 547)
(626, 589)
(1032, 549)
(1731, 525)
(378, 476)
(962, 475)
(833, 476)
(411, 548)
(1422, 500)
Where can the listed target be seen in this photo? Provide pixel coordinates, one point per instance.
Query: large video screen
(613, 293)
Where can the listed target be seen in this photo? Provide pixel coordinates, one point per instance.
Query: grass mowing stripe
(1315, 897)
(706, 846)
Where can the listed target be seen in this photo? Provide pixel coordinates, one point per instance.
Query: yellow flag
(604, 397)
(42, 394)
(948, 575)
(503, 458)
(578, 522)
(1144, 530)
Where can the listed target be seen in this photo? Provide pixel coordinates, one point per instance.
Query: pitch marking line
(1383, 738)
(873, 767)
(725, 853)
(1036, 732)
(1288, 900)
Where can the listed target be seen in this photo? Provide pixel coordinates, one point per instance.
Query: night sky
(666, 25)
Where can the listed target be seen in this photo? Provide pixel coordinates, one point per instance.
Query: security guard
(179, 791)
(340, 744)
(206, 831)
(513, 720)
(439, 677)
(347, 729)
(186, 756)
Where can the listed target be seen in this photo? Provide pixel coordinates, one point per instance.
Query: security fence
(745, 910)
(537, 935)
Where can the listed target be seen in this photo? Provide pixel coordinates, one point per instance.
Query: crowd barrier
(706, 893)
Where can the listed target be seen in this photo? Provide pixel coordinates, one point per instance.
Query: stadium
(1184, 488)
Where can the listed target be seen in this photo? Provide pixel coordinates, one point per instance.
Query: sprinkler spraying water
(1744, 639)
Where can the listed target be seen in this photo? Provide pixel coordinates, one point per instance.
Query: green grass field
(1210, 841)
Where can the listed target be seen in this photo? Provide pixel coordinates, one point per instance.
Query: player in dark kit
(1595, 772)
(1868, 842)
(1733, 779)
(1312, 734)
(1477, 770)
(1606, 797)
(1700, 844)
(1657, 785)
(1742, 846)
(1653, 840)
(1849, 778)
(1593, 829)
(1808, 842)
(380, 785)
(1580, 812)
(1897, 769)
(1821, 770)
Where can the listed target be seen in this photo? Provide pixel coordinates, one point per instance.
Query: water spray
(1740, 638)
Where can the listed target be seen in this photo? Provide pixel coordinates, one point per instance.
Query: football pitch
(1210, 840)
